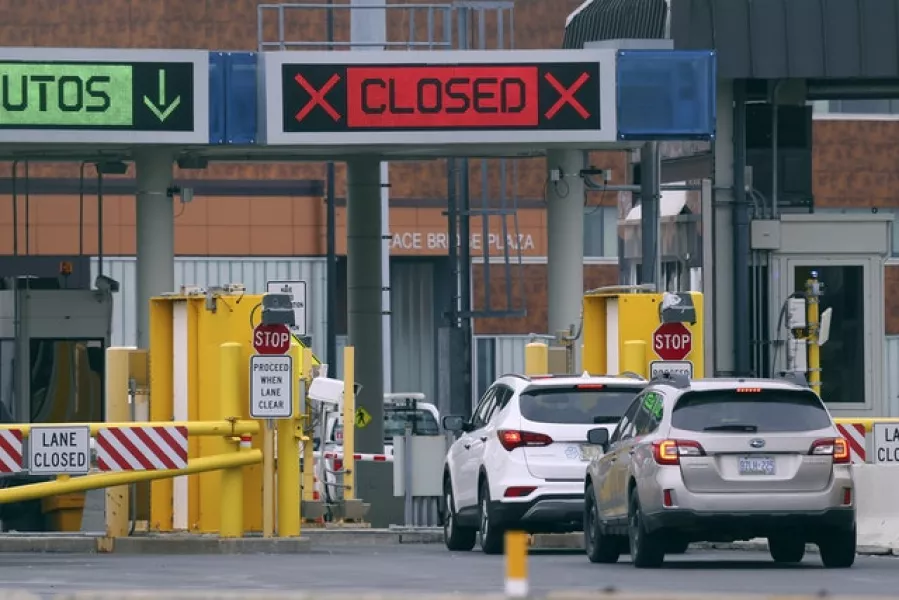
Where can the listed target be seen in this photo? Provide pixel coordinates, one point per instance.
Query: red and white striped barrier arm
(11, 451)
(362, 457)
(141, 448)
(855, 436)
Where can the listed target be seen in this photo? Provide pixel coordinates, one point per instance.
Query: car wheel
(647, 550)
(600, 548)
(491, 532)
(786, 550)
(456, 537)
(838, 549)
(677, 546)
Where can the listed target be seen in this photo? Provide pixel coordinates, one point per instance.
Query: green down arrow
(162, 109)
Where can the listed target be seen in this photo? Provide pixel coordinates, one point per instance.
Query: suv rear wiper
(732, 427)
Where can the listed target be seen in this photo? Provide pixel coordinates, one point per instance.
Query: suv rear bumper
(720, 526)
(547, 513)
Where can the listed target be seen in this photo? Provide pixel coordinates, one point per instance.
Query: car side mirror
(599, 437)
(454, 423)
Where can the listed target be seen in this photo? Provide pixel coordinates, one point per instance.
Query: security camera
(326, 390)
(106, 284)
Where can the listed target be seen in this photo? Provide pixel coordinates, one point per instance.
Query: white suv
(521, 459)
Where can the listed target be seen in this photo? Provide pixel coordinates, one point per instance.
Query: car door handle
(631, 451)
(484, 438)
(467, 446)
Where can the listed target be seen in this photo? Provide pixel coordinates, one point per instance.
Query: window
(649, 415)
(864, 107)
(66, 380)
(625, 427)
(843, 356)
(503, 395)
(601, 232)
(894, 230)
(765, 411)
(572, 405)
(479, 419)
(423, 422)
(7, 380)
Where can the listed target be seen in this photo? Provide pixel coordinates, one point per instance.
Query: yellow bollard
(268, 479)
(516, 564)
(634, 357)
(289, 459)
(813, 321)
(116, 391)
(231, 487)
(308, 450)
(536, 359)
(349, 423)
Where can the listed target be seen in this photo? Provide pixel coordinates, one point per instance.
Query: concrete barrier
(876, 491)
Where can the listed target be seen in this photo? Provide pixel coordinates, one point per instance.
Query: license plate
(589, 452)
(756, 466)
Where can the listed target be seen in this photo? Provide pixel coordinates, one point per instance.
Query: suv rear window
(582, 406)
(764, 411)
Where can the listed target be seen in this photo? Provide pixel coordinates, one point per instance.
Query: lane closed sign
(59, 450)
(886, 443)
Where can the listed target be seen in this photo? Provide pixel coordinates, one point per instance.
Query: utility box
(648, 333)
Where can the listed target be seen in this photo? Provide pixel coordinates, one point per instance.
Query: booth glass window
(601, 232)
(66, 380)
(843, 356)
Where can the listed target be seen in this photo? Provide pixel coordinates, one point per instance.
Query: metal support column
(565, 200)
(155, 225)
(650, 214)
(741, 247)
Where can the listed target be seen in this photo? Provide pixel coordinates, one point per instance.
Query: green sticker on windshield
(653, 404)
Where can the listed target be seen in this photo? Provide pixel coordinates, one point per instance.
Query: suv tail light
(338, 464)
(512, 438)
(836, 447)
(668, 452)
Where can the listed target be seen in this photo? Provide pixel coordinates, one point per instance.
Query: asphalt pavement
(412, 568)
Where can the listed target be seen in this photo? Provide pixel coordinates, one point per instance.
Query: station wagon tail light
(590, 386)
(512, 438)
(836, 447)
(668, 452)
(749, 390)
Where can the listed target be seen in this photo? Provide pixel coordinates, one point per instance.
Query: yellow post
(289, 459)
(231, 486)
(268, 480)
(516, 564)
(308, 450)
(349, 423)
(536, 359)
(633, 358)
(812, 291)
(116, 388)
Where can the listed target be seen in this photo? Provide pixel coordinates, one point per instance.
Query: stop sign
(271, 339)
(672, 341)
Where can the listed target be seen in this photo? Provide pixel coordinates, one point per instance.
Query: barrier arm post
(117, 498)
(812, 293)
(232, 478)
(289, 430)
(349, 423)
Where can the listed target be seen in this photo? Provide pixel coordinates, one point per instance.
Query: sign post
(672, 342)
(104, 96)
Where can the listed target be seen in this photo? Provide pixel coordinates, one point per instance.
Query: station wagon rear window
(750, 410)
(577, 405)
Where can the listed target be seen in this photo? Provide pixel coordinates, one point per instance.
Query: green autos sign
(97, 101)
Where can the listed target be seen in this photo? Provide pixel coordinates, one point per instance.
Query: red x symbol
(317, 97)
(566, 96)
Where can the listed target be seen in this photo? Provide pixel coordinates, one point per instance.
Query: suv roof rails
(516, 375)
(631, 375)
(793, 377)
(675, 380)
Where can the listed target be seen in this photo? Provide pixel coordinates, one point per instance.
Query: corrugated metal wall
(205, 271)
(413, 327)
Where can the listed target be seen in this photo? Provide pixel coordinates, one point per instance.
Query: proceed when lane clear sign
(59, 450)
(271, 386)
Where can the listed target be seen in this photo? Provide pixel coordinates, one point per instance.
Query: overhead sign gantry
(528, 99)
(50, 95)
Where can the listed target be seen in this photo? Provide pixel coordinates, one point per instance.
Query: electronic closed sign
(56, 100)
(441, 97)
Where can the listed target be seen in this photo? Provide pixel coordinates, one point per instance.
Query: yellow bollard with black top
(231, 486)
